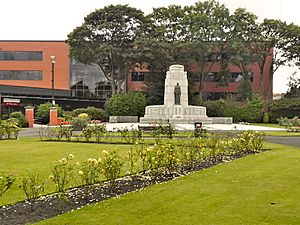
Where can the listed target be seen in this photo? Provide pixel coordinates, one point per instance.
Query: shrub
(89, 171)
(32, 185)
(266, 117)
(93, 112)
(87, 133)
(79, 123)
(111, 165)
(6, 182)
(121, 104)
(21, 118)
(62, 173)
(43, 112)
(9, 127)
(284, 108)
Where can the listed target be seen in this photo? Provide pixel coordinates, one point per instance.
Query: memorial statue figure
(177, 93)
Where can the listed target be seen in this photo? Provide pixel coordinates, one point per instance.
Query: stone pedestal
(53, 116)
(29, 115)
(179, 113)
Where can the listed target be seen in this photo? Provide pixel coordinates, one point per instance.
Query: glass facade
(21, 75)
(88, 81)
(21, 56)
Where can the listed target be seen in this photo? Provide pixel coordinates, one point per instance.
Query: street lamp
(52, 79)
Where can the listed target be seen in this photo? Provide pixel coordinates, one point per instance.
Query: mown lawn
(18, 155)
(259, 189)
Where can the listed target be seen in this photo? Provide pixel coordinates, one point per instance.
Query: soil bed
(50, 205)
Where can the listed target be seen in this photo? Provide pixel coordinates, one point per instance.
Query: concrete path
(34, 132)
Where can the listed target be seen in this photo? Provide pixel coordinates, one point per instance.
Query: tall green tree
(107, 38)
(242, 42)
(207, 26)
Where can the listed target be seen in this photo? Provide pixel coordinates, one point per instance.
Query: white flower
(80, 172)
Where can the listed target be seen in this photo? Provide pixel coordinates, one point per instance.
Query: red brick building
(25, 75)
(212, 88)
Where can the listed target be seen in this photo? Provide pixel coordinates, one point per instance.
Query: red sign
(11, 104)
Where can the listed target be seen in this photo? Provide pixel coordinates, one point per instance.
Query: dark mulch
(50, 205)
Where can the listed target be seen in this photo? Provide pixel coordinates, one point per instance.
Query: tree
(207, 25)
(241, 46)
(155, 88)
(107, 38)
(131, 104)
(294, 87)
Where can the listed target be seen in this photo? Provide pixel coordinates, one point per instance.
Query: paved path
(293, 141)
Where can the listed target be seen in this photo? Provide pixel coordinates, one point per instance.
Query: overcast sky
(53, 20)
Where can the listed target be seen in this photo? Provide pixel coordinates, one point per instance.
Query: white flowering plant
(32, 185)
(62, 173)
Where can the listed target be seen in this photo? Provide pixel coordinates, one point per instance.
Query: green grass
(282, 133)
(18, 155)
(259, 189)
(273, 125)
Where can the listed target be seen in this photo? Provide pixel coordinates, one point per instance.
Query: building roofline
(32, 40)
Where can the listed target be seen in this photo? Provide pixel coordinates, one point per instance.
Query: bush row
(251, 111)
(284, 108)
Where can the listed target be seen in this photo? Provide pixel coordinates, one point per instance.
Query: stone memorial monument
(175, 109)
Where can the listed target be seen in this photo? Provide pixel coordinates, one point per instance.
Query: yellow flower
(63, 160)
(104, 152)
(80, 172)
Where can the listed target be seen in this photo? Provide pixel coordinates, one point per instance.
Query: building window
(137, 76)
(21, 75)
(21, 56)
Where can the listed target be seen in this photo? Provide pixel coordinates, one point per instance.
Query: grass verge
(18, 155)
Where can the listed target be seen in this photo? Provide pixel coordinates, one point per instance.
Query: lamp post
(52, 78)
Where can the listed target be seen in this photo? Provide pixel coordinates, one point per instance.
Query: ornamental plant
(32, 185)
(90, 171)
(99, 131)
(11, 127)
(65, 131)
(6, 181)
(62, 173)
(132, 159)
(87, 133)
(111, 165)
(131, 136)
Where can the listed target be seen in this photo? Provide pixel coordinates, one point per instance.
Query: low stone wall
(221, 120)
(123, 119)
